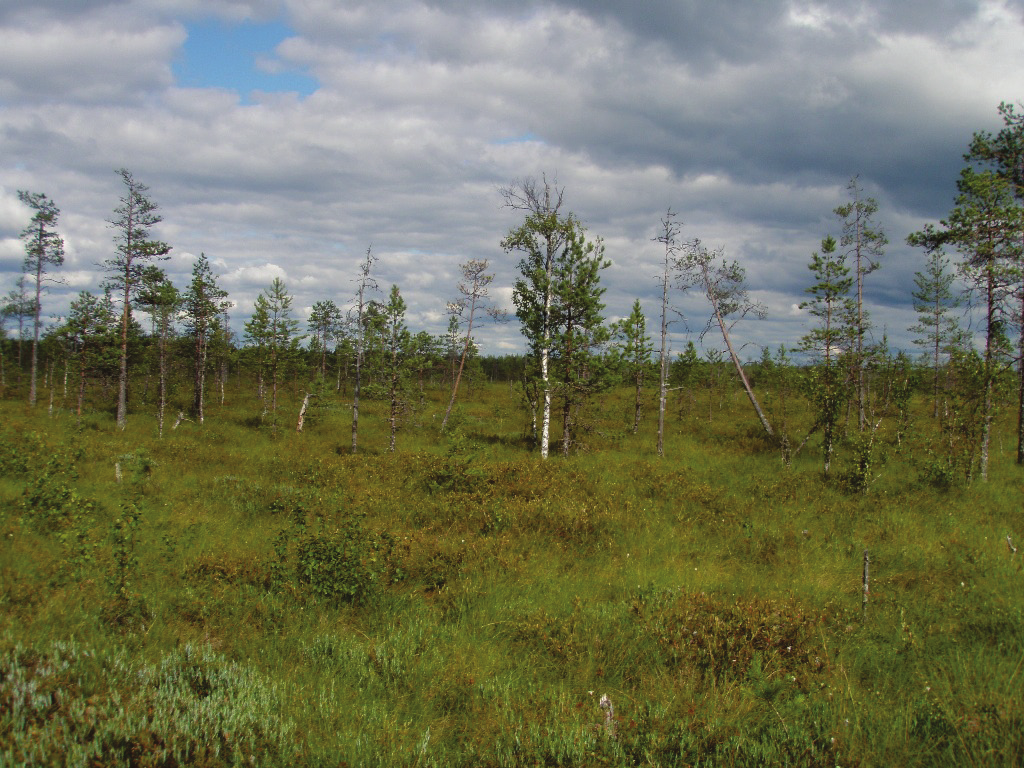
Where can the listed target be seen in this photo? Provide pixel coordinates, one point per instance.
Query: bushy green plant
(346, 562)
(66, 704)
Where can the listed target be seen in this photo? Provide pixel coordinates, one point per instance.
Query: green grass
(463, 603)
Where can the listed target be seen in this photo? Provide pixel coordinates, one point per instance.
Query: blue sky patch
(222, 55)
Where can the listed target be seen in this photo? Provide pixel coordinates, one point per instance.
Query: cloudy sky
(284, 137)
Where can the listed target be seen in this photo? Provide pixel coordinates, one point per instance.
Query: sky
(283, 138)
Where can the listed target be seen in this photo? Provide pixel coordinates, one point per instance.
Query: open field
(247, 595)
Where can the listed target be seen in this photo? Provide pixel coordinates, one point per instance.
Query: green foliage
(340, 561)
(469, 598)
(64, 703)
(345, 562)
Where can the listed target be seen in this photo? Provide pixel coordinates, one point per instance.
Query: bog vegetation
(347, 544)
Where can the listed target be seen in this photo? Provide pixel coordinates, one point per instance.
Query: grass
(460, 602)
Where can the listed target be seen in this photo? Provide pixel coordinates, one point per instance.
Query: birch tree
(44, 249)
(543, 234)
(134, 249)
(89, 329)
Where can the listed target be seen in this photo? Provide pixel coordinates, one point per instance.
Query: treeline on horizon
(845, 376)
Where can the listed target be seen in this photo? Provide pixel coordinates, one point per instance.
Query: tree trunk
(302, 411)
(122, 376)
(35, 336)
(462, 364)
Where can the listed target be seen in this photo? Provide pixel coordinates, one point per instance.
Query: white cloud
(746, 121)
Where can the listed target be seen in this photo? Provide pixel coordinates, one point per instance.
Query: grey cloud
(747, 124)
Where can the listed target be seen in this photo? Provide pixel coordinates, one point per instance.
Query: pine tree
(578, 332)
(132, 222)
(203, 303)
(934, 301)
(324, 319)
(273, 333)
(1003, 155)
(724, 285)
(159, 297)
(669, 237)
(830, 303)
(365, 283)
(44, 248)
(863, 244)
(634, 350)
(394, 340)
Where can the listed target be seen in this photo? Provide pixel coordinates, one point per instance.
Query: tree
(424, 356)
(473, 295)
(44, 248)
(162, 301)
(364, 284)
(724, 285)
(273, 332)
(986, 225)
(577, 326)
(324, 319)
(132, 222)
(934, 300)
(203, 304)
(394, 338)
(683, 374)
(18, 304)
(635, 348)
(830, 303)
(90, 330)
(542, 235)
(669, 239)
(863, 243)
(1003, 154)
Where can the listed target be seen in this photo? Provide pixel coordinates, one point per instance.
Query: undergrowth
(228, 596)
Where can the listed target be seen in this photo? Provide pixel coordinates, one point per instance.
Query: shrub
(190, 708)
(347, 563)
